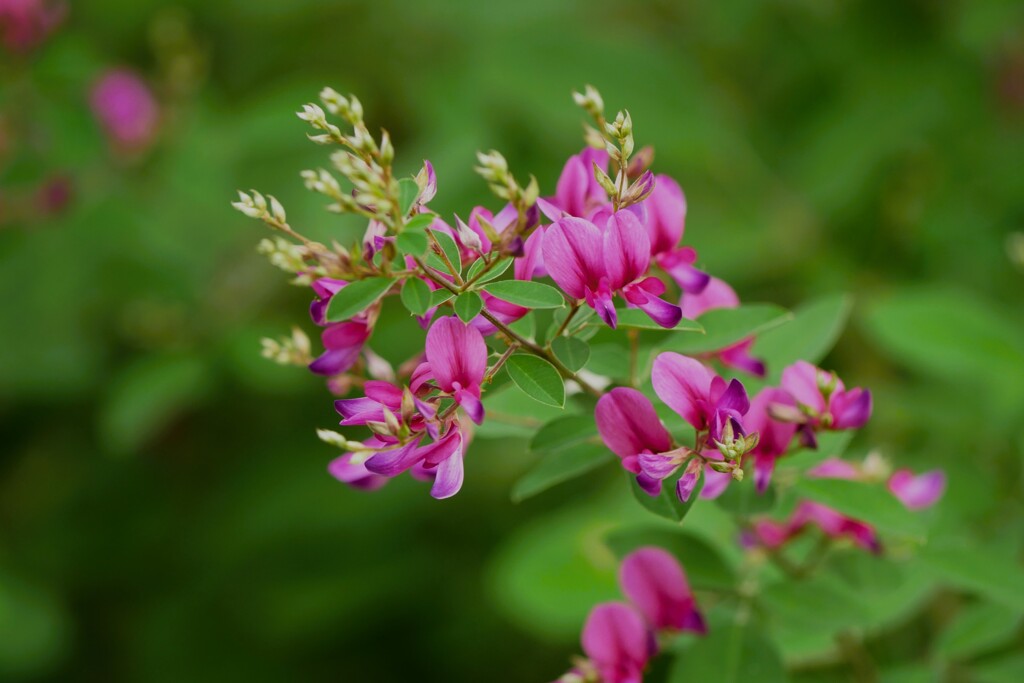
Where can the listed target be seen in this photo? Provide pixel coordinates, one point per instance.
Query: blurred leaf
(146, 396)
(809, 335)
(734, 651)
(419, 222)
(977, 569)
(510, 412)
(636, 319)
(356, 297)
(412, 241)
(33, 630)
(666, 504)
(537, 378)
(562, 432)
(868, 502)
(557, 466)
(724, 327)
(573, 352)
(831, 444)
(468, 306)
(408, 191)
(977, 629)
(1006, 669)
(416, 296)
(526, 293)
(742, 498)
(820, 602)
(705, 567)
(951, 335)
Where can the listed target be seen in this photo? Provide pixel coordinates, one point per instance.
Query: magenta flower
(823, 402)
(630, 427)
(917, 492)
(27, 23)
(457, 359)
(126, 109)
(655, 583)
(578, 193)
(618, 642)
(718, 294)
(347, 469)
(774, 436)
(666, 222)
(700, 396)
(594, 264)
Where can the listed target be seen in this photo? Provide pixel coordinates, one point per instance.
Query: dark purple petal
(850, 409)
(335, 362)
(470, 402)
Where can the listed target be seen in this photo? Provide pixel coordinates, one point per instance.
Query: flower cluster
(620, 638)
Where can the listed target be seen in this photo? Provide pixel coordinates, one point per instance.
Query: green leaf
(526, 293)
(734, 651)
(416, 296)
(560, 465)
(511, 413)
(809, 335)
(977, 629)
(412, 242)
(496, 270)
(977, 569)
(419, 222)
(450, 249)
(634, 318)
(468, 305)
(573, 352)
(525, 327)
(871, 503)
(706, 569)
(408, 191)
(831, 444)
(724, 327)
(356, 297)
(951, 335)
(563, 432)
(537, 378)
(1005, 669)
(439, 296)
(666, 504)
(820, 602)
(742, 498)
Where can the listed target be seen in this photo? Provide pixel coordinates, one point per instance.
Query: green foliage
(416, 296)
(468, 305)
(537, 378)
(667, 504)
(735, 650)
(724, 327)
(572, 352)
(526, 293)
(872, 503)
(356, 297)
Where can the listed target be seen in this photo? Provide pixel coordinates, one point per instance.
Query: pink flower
(917, 492)
(630, 427)
(26, 23)
(457, 360)
(126, 109)
(594, 264)
(774, 436)
(578, 193)
(666, 221)
(700, 396)
(618, 642)
(355, 474)
(655, 583)
(718, 294)
(823, 402)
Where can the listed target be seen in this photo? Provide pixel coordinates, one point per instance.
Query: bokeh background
(165, 513)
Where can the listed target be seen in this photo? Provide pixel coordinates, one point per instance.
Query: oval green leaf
(537, 378)
(416, 296)
(467, 306)
(356, 297)
(526, 293)
(573, 352)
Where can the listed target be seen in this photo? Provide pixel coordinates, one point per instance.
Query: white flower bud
(277, 210)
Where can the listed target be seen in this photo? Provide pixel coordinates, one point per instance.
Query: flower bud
(277, 210)
(387, 150)
(603, 180)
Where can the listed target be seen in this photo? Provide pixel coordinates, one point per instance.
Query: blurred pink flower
(126, 109)
(26, 23)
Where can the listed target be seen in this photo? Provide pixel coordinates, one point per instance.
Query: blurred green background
(165, 513)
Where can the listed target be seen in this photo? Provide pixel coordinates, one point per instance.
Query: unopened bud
(603, 180)
(387, 150)
(531, 192)
(277, 211)
(721, 466)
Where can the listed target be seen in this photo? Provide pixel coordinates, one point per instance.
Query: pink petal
(717, 294)
(450, 473)
(618, 642)
(801, 381)
(917, 492)
(683, 383)
(654, 582)
(666, 214)
(456, 353)
(572, 255)
(627, 249)
(629, 425)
